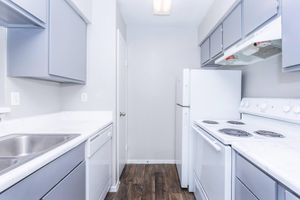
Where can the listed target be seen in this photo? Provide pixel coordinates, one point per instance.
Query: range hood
(259, 46)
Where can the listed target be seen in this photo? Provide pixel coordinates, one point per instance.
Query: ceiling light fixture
(162, 7)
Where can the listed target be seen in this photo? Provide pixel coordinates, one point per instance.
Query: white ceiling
(184, 12)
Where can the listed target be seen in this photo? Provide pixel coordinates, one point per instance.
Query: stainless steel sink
(20, 148)
(7, 162)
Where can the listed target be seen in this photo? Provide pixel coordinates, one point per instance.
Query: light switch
(15, 98)
(84, 97)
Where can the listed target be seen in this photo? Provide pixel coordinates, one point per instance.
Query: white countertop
(85, 123)
(281, 160)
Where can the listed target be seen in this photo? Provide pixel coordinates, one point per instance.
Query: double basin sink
(18, 149)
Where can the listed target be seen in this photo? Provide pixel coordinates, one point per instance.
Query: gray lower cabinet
(205, 51)
(232, 27)
(71, 187)
(56, 53)
(60, 179)
(241, 192)
(216, 42)
(290, 35)
(258, 183)
(257, 12)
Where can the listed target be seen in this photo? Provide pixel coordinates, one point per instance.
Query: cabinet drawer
(71, 187)
(241, 192)
(99, 140)
(216, 42)
(261, 185)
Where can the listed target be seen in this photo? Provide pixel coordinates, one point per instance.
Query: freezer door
(215, 94)
(181, 144)
(182, 88)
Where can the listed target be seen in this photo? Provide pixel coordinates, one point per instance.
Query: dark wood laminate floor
(150, 182)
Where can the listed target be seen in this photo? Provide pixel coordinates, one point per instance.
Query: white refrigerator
(202, 94)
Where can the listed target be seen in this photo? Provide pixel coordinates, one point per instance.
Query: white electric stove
(266, 120)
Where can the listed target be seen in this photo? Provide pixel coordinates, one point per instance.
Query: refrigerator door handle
(209, 141)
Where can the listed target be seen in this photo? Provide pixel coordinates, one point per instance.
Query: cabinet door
(241, 192)
(290, 196)
(71, 187)
(257, 12)
(205, 51)
(67, 42)
(232, 27)
(216, 42)
(259, 183)
(34, 7)
(290, 34)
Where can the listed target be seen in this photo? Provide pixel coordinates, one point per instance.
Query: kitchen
(155, 99)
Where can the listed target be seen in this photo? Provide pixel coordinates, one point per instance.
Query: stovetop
(228, 131)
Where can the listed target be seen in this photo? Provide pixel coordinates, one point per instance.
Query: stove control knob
(263, 107)
(286, 109)
(297, 110)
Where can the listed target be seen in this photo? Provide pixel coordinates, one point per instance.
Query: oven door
(212, 165)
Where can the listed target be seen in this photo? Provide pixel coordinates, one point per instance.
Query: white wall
(101, 66)
(36, 97)
(266, 79)
(215, 14)
(156, 56)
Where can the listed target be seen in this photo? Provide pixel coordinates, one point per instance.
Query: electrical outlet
(84, 97)
(15, 99)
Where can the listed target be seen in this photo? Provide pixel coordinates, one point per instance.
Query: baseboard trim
(115, 188)
(151, 162)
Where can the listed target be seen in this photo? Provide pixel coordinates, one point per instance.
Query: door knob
(122, 114)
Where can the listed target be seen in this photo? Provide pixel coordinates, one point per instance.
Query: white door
(122, 103)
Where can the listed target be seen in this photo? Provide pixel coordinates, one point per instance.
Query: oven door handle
(209, 141)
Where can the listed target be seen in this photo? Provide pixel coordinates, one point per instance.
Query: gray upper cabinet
(52, 178)
(205, 51)
(290, 196)
(290, 35)
(216, 42)
(257, 12)
(56, 53)
(67, 60)
(232, 27)
(34, 7)
(23, 13)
